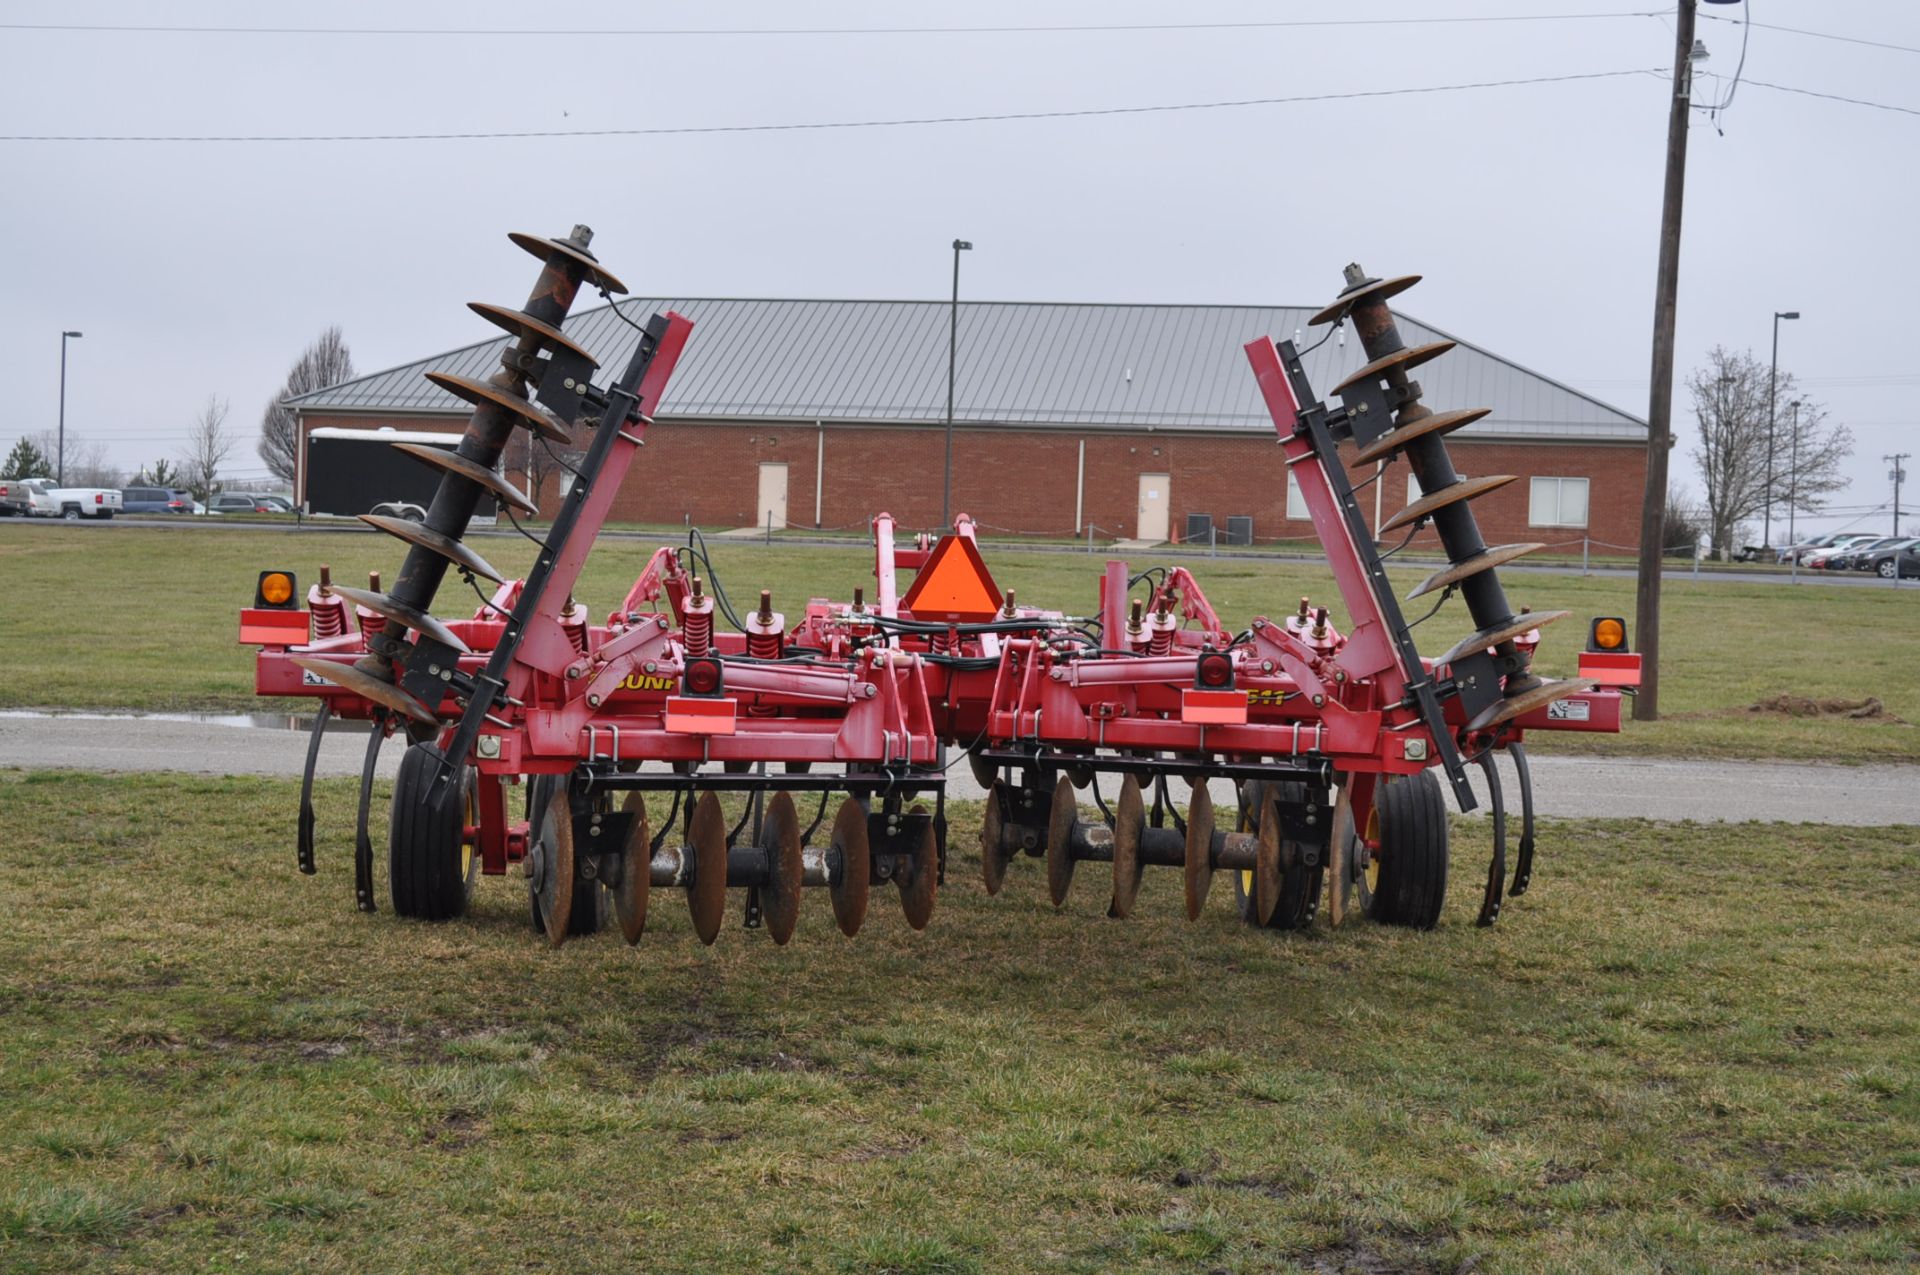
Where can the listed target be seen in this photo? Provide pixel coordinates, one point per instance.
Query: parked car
(1904, 562)
(27, 497)
(1823, 559)
(1885, 560)
(239, 502)
(1856, 556)
(71, 503)
(1807, 548)
(155, 500)
(281, 504)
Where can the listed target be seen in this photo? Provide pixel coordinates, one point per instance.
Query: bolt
(574, 673)
(1319, 700)
(766, 606)
(489, 746)
(1416, 750)
(660, 622)
(652, 666)
(433, 670)
(582, 235)
(593, 701)
(1266, 666)
(1339, 675)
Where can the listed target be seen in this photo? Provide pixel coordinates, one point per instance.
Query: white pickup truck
(42, 499)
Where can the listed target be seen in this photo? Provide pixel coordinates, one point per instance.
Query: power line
(521, 33)
(1835, 97)
(1818, 35)
(817, 126)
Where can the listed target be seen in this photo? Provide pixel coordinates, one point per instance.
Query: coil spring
(575, 623)
(329, 615)
(697, 629)
(764, 646)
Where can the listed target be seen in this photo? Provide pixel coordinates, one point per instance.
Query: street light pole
(1898, 475)
(1773, 382)
(1793, 476)
(953, 349)
(60, 448)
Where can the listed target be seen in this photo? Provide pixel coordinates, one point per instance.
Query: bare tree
(1686, 522)
(1746, 459)
(327, 361)
(209, 444)
(535, 462)
(86, 462)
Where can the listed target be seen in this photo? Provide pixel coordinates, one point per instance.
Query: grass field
(101, 617)
(1689, 1048)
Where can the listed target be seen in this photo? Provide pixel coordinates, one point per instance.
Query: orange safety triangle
(953, 585)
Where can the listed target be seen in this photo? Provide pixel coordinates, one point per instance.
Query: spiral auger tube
(1390, 419)
(470, 472)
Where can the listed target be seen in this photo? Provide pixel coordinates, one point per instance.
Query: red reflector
(1611, 668)
(703, 676)
(688, 716)
(99, 498)
(266, 626)
(1213, 708)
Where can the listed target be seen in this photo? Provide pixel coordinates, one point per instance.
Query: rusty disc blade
(1059, 841)
(1451, 494)
(1485, 560)
(985, 773)
(556, 884)
(1129, 822)
(1266, 864)
(636, 871)
(369, 687)
(1199, 867)
(454, 463)
(403, 615)
(548, 426)
(1438, 423)
(1488, 638)
(919, 882)
(1525, 702)
(853, 874)
(1380, 289)
(707, 893)
(522, 324)
(994, 857)
(1403, 360)
(590, 270)
(1339, 861)
(780, 892)
(433, 542)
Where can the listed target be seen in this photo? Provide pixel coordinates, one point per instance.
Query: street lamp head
(74, 334)
(961, 245)
(1786, 314)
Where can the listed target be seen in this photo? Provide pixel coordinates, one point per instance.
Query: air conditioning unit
(1239, 530)
(1199, 529)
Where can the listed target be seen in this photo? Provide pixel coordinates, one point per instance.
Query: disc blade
(636, 871)
(1451, 494)
(403, 615)
(522, 324)
(1129, 822)
(1266, 865)
(707, 893)
(920, 881)
(1401, 360)
(994, 856)
(1488, 638)
(1486, 560)
(480, 393)
(1059, 841)
(367, 686)
(1435, 423)
(853, 873)
(1526, 701)
(780, 892)
(1199, 866)
(1379, 289)
(454, 463)
(556, 884)
(433, 542)
(590, 270)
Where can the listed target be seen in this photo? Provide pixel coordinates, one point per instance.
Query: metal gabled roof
(1020, 363)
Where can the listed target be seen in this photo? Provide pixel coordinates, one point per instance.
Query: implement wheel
(550, 865)
(1299, 900)
(431, 866)
(1410, 818)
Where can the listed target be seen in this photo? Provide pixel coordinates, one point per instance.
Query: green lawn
(1685, 1049)
(101, 617)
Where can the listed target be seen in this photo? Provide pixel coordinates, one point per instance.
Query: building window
(1296, 500)
(1558, 502)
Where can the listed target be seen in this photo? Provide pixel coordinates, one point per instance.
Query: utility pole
(953, 351)
(1773, 421)
(60, 448)
(1793, 477)
(1653, 531)
(1898, 475)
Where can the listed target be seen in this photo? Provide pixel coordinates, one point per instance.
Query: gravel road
(1574, 787)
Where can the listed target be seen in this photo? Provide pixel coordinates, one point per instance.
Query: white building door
(1156, 491)
(773, 495)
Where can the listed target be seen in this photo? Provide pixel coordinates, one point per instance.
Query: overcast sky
(1533, 211)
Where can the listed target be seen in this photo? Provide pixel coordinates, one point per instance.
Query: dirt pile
(1868, 709)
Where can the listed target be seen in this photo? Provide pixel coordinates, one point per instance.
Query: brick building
(1134, 419)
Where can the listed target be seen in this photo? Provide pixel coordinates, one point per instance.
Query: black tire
(589, 897)
(430, 868)
(1299, 886)
(1413, 852)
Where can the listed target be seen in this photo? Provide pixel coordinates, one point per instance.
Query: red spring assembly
(330, 615)
(575, 620)
(697, 624)
(766, 630)
(371, 622)
(1160, 633)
